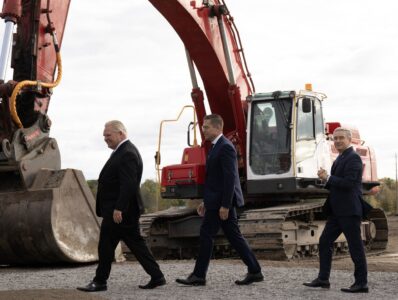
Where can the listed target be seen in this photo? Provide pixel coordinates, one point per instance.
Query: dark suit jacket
(119, 184)
(345, 186)
(222, 184)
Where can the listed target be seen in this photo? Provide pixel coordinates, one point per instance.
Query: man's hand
(201, 209)
(322, 174)
(224, 213)
(117, 216)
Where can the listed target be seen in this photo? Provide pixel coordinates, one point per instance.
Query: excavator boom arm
(209, 37)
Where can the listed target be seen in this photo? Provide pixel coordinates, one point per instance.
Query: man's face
(341, 141)
(210, 131)
(112, 137)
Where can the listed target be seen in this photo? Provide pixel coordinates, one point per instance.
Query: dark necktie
(210, 150)
(335, 163)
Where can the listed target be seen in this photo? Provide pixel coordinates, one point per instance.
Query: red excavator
(48, 215)
(281, 140)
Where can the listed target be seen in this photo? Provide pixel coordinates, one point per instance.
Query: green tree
(386, 197)
(93, 185)
(150, 192)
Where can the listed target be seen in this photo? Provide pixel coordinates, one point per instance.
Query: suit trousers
(210, 226)
(351, 227)
(110, 235)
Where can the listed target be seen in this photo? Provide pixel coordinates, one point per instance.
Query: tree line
(386, 198)
(150, 194)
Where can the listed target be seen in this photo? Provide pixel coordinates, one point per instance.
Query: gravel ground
(280, 283)
(283, 280)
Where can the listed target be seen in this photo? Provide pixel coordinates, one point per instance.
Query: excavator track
(157, 229)
(380, 230)
(270, 233)
(147, 220)
(283, 232)
(293, 231)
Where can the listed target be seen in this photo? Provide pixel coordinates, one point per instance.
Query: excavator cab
(286, 143)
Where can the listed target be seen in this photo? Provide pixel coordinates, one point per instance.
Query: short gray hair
(346, 130)
(215, 120)
(116, 126)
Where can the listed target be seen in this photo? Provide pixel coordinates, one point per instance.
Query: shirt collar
(122, 142)
(216, 139)
(349, 149)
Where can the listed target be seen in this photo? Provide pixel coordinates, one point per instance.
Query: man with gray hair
(345, 208)
(119, 204)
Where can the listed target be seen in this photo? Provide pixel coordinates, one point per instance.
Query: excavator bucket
(51, 222)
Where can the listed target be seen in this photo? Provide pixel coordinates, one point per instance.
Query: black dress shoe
(192, 280)
(93, 287)
(250, 278)
(356, 288)
(153, 283)
(318, 283)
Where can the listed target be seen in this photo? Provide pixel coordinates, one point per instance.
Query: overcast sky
(122, 60)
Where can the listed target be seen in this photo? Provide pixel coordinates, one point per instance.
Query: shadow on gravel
(47, 294)
(41, 267)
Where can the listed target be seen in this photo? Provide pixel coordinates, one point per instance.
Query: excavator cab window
(305, 119)
(319, 122)
(310, 123)
(270, 137)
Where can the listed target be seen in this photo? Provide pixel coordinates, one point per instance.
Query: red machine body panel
(366, 153)
(42, 52)
(59, 11)
(187, 178)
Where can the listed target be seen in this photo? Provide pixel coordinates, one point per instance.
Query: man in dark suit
(119, 204)
(222, 193)
(345, 208)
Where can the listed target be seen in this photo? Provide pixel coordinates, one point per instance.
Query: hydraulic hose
(39, 84)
